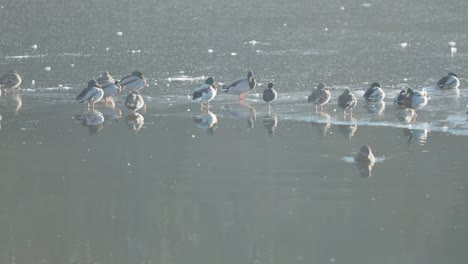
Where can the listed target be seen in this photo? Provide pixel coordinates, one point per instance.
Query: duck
(320, 96)
(415, 99)
(450, 81)
(205, 93)
(365, 155)
(347, 100)
(133, 82)
(374, 93)
(241, 86)
(134, 101)
(109, 85)
(270, 94)
(10, 80)
(91, 94)
(398, 100)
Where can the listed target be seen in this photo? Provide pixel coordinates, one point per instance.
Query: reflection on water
(375, 107)
(242, 112)
(270, 122)
(111, 113)
(206, 121)
(365, 168)
(92, 119)
(322, 123)
(134, 121)
(418, 136)
(348, 131)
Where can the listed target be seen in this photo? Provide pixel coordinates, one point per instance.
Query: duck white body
(241, 86)
(133, 82)
(10, 80)
(205, 92)
(92, 94)
(374, 93)
(450, 81)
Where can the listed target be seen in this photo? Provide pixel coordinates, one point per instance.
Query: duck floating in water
(374, 93)
(347, 100)
(320, 96)
(109, 86)
(91, 94)
(415, 100)
(134, 101)
(365, 160)
(241, 86)
(364, 155)
(270, 94)
(450, 81)
(133, 82)
(205, 93)
(10, 80)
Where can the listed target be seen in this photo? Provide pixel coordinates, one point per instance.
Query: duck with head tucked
(109, 86)
(91, 94)
(450, 81)
(241, 86)
(269, 94)
(347, 100)
(398, 100)
(133, 82)
(320, 96)
(365, 160)
(374, 93)
(10, 80)
(134, 101)
(205, 93)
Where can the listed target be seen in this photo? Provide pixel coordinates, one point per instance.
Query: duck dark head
(452, 74)
(137, 73)
(376, 84)
(321, 86)
(365, 149)
(409, 91)
(347, 91)
(93, 83)
(270, 85)
(209, 81)
(249, 74)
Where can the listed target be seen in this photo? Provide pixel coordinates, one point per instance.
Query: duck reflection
(13, 101)
(270, 122)
(322, 123)
(135, 121)
(365, 168)
(110, 112)
(404, 115)
(348, 130)
(1, 118)
(206, 121)
(241, 111)
(375, 107)
(418, 136)
(92, 119)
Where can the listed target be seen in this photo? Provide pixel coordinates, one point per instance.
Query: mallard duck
(241, 86)
(450, 81)
(134, 101)
(10, 80)
(365, 155)
(91, 94)
(374, 93)
(133, 82)
(398, 101)
(205, 93)
(320, 96)
(269, 94)
(415, 99)
(347, 100)
(109, 85)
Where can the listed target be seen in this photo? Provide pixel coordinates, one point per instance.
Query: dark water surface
(241, 183)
